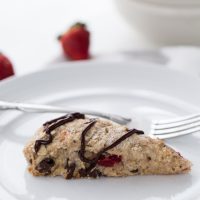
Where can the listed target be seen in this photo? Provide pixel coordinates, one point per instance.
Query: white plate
(128, 89)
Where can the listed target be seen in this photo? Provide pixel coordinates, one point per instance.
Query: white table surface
(28, 29)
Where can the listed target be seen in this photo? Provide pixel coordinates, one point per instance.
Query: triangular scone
(73, 146)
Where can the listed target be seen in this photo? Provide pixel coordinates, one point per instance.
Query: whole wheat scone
(73, 146)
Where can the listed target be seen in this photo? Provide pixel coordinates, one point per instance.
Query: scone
(74, 146)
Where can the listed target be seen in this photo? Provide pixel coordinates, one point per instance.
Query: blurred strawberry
(75, 42)
(6, 68)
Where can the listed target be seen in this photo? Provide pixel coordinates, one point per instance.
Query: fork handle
(36, 108)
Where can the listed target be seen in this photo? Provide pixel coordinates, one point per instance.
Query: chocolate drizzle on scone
(90, 171)
(53, 124)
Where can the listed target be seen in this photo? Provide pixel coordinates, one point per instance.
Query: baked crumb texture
(135, 155)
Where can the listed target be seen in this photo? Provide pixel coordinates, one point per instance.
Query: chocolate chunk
(134, 171)
(45, 166)
(148, 158)
(82, 172)
(95, 173)
(70, 170)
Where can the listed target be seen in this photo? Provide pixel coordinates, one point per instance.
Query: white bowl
(168, 22)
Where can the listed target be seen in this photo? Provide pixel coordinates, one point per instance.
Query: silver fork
(162, 129)
(36, 108)
(176, 127)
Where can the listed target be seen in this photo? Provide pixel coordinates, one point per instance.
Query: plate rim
(63, 65)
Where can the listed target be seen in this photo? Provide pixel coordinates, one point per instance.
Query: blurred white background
(28, 29)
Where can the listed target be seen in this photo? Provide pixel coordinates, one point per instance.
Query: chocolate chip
(149, 158)
(87, 173)
(82, 172)
(95, 173)
(70, 170)
(134, 171)
(45, 166)
(106, 130)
